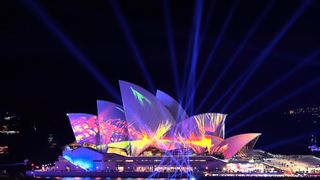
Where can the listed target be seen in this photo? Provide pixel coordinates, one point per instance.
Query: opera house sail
(144, 129)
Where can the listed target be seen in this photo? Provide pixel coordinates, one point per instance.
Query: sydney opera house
(149, 133)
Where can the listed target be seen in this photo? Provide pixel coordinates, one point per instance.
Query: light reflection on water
(99, 178)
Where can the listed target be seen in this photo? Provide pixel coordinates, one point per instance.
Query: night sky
(42, 77)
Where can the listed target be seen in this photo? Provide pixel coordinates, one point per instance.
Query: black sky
(41, 80)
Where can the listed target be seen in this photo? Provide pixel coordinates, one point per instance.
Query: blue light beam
(275, 83)
(243, 44)
(134, 48)
(183, 92)
(264, 54)
(288, 140)
(212, 52)
(206, 26)
(195, 53)
(171, 44)
(276, 103)
(217, 42)
(52, 26)
(234, 83)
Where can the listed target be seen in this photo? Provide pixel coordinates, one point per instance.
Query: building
(10, 133)
(149, 133)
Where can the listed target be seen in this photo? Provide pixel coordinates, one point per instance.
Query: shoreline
(158, 175)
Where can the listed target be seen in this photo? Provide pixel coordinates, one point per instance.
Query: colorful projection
(201, 125)
(230, 146)
(143, 111)
(82, 157)
(147, 122)
(85, 127)
(141, 98)
(211, 123)
(112, 124)
(172, 105)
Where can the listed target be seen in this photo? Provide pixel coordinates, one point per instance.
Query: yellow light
(161, 130)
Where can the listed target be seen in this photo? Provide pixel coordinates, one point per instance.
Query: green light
(141, 98)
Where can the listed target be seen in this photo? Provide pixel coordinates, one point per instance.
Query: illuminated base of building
(85, 159)
(39, 174)
(86, 162)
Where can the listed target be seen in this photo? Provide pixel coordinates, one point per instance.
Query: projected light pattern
(203, 124)
(82, 163)
(146, 123)
(172, 105)
(85, 127)
(143, 111)
(118, 127)
(111, 119)
(180, 164)
(231, 145)
(211, 123)
(153, 126)
(82, 157)
(141, 98)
